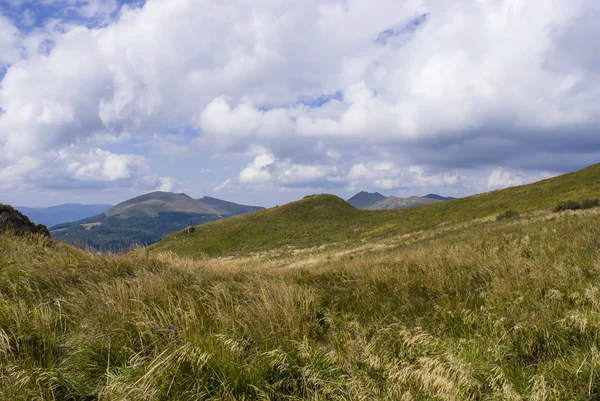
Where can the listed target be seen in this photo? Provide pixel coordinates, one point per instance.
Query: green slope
(323, 219)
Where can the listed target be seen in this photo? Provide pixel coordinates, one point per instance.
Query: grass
(504, 310)
(326, 219)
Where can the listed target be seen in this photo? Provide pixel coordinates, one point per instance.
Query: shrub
(509, 214)
(569, 205)
(590, 203)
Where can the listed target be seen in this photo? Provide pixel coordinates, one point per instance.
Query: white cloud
(267, 170)
(10, 42)
(74, 167)
(501, 71)
(501, 178)
(392, 177)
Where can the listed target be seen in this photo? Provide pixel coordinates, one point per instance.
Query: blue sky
(267, 101)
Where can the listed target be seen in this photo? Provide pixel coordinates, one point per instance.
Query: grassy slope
(504, 311)
(325, 219)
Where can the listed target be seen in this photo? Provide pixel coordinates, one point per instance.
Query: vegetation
(325, 219)
(509, 214)
(574, 205)
(118, 235)
(506, 310)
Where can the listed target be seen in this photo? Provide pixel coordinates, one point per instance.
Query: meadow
(477, 310)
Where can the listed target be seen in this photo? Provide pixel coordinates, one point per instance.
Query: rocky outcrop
(11, 219)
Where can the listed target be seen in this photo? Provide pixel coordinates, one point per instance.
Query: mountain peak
(363, 199)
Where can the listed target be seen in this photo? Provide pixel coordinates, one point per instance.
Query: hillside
(59, 214)
(144, 220)
(15, 222)
(506, 311)
(393, 202)
(301, 224)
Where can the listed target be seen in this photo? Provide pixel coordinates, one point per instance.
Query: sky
(265, 101)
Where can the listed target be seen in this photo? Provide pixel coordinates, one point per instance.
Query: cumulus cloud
(266, 169)
(501, 178)
(73, 167)
(390, 176)
(416, 94)
(10, 46)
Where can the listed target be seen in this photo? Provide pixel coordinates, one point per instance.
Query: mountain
(439, 197)
(327, 219)
(155, 203)
(53, 215)
(144, 220)
(364, 200)
(376, 201)
(393, 202)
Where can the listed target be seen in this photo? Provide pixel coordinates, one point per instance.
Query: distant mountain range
(377, 201)
(50, 216)
(145, 220)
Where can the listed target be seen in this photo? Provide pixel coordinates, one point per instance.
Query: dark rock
(190, 230)
(16, 221)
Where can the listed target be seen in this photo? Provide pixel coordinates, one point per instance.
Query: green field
(357, 306)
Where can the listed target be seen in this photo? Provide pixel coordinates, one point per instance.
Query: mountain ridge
(144, 220)
(376, 201)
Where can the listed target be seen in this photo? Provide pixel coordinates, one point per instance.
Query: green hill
(324, 219)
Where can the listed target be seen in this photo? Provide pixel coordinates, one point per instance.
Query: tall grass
(503, 311)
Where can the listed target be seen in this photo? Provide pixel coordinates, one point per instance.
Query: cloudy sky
(265, 101)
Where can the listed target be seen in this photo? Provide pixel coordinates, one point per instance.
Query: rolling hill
(324, 219)
(144, 220)
(50, 216)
